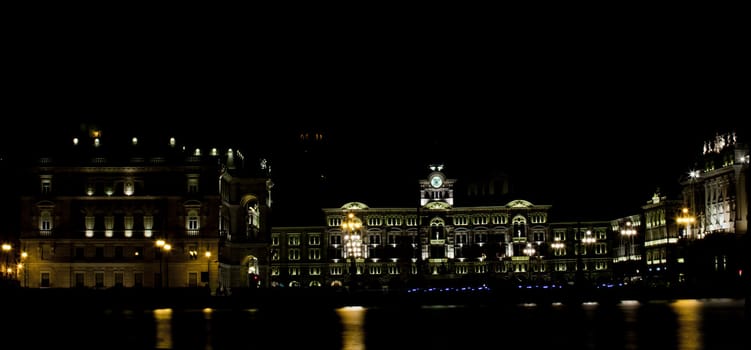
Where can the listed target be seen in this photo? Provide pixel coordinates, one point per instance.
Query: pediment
(437, 205)
(519, 203)
(354, 205)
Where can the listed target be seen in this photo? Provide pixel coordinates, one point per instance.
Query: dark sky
(594, 112)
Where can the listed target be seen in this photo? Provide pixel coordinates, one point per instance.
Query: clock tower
(436, 188)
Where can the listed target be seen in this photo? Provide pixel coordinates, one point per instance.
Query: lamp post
(529, 250)
(588, 240)
(686, 219)
(693, 175)
(628, 234)
(163, 247)
(584, 240)
(208, 269)
(352, 243)
(6, 268)
(558, 247)
(24, 256)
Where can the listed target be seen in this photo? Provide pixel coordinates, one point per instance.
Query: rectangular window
(601, 248)
(138, 279)
(109, 225)
(480, 220)
(559, 235)
(314, 254)
(335, 270)
(46, 186)
(314, 240)
(119, 279)
(192, 185)
(294, 254)
(293, 240)
(601, 235)
(192, 279)
(46, 222)
(561, 251)
(335, 222)
(412, 221)
(99, 279)
(80, 280)
(192, 222)
(275, 240)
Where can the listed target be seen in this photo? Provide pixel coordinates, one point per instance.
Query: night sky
(594, 117)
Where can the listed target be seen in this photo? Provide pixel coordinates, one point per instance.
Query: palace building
(438, 242)
(132, 214)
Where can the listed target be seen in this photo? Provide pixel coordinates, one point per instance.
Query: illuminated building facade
(662, 259)
(94, 216)
(102, 214)
(438, 243)
(713, 221)
(628, 247)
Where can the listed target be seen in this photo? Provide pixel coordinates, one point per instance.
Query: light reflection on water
(665, 325)
(689, 324)
(163, 321)
(353, 332)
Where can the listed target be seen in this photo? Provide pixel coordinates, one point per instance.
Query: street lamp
(164, 247)
(529, 250)
(208, 269)
(6, 268)
(585, 240)
(24, 256)
(686, 219)
(352, 242)
(558, 249)
(628, 233)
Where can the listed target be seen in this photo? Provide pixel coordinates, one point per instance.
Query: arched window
(520, 226)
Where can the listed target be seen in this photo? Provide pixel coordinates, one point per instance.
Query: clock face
(436, 181)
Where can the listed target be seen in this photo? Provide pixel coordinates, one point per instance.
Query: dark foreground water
(664, 325)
